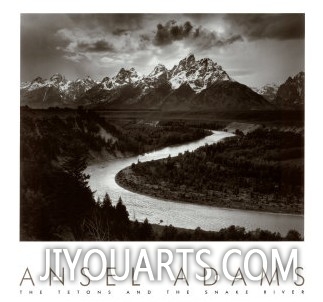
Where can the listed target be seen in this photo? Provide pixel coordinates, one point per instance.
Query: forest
(50, 132)
(262, 170)
(56, 202)
(55, 148)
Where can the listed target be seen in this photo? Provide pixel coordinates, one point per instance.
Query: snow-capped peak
(56, 78)
(36, 83)
(105, 79)
(268, 91)
(107, 83)
(125, 76)
(187, 62)
(65, 89)
(37, 80)
(158, 71)
(198, 74)
(266, 88)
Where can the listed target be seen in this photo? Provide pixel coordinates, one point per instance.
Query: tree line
(263, 169)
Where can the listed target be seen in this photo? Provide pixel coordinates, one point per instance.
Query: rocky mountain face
(268, 91)
(289, 95)
(56, 91)
(199, 75)
(191, 84)
(292, 92)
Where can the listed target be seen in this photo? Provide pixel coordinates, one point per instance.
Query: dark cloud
(208, 39)
(171, 31)
(226, 41)
(269, 26)
(200, 36)
(98, 46)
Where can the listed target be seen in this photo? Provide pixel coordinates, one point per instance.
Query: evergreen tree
(122, 220)
(146, 231)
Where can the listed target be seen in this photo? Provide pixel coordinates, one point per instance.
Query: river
(185, 215)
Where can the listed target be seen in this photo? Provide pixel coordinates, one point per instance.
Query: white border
(13, 252)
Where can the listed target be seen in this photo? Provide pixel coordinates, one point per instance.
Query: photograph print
(162, 127)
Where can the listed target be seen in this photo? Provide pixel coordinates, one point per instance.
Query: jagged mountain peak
(301, 74)
(181, 88)
(292, 91)
(105, 79)
(158, 68)
(57, 77)
(268, 91)
(158, 71)
(160, 65)
(126, 76)
(55, 91)
(37, 80)
(185, 64)
(124, 71)
(88, 79)
(188, 61)
(199, 74)
(300, 77)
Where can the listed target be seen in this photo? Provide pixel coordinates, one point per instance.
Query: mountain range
(290, 94)
(190, 85)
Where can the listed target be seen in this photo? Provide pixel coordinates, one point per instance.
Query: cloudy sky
(254, 49)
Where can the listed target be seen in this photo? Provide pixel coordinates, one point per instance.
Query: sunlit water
(185, 215)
